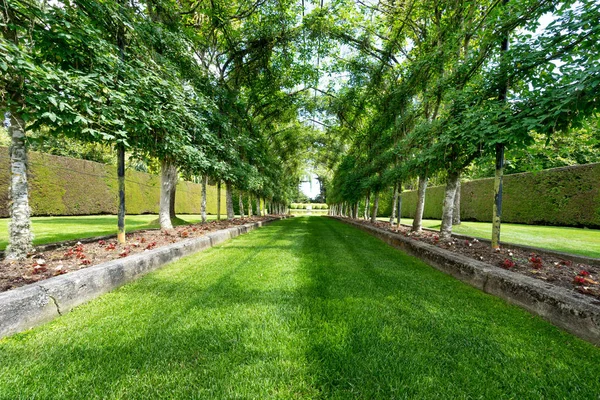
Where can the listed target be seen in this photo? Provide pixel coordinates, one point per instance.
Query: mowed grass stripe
(303, 308)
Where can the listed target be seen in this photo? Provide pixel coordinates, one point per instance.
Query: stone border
(34, 304)
(572, 311)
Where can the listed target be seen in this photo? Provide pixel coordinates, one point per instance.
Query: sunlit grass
(581, 241)
(57, 229)
(307, 308)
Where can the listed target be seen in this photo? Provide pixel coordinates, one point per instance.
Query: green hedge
(567, 196)
(68, 186)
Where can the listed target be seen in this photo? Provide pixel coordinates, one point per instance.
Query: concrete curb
(32, 305)
(574, 312)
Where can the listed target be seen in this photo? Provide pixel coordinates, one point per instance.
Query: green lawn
(57, 229)
(585, 242)
(305, 308)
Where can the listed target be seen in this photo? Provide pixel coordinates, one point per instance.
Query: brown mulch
(583, 278)
(42, 265)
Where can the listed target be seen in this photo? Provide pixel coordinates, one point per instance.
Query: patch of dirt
(580, 277)
(42, 265)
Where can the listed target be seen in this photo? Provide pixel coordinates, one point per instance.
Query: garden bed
(570, 272)
(61, 258)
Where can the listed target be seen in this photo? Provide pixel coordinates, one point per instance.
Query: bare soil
(41, 265)
(580, 277)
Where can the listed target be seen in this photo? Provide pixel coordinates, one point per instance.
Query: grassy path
(306, 308)
(583, 241)
(57, 229)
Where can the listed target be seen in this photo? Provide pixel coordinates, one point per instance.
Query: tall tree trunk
(241, 201)
(203, 205)
(229, 200)
(448, 209)
(502, 94)
(399, 204)
(356, 210)
(219, 200)
(167, 171)
(367, 205)
(121, 180)
(456, 214)
(394, 204)
(418, 221)
(258, 210)
(249, 205)
(172, 200)
(497, 217)
(20, 236)
(375, 208)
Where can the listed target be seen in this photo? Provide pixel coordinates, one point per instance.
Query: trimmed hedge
(566, 196)
(68, 186)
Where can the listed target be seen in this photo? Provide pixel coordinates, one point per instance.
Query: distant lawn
(585, 242)
(306, 308)
(57, 229)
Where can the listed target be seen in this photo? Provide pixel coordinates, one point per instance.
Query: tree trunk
(121, 179)
(456, 214)
(448, 209)
(167, 172)
(173, 191)
(203, 205)
(367, 205)
(229, 200)
(241, 201)
(375, 208)
(249, 205)
(258, 210)
(497, 216)
(20, 236)
(394, 204)
(418, 221)
(356, 210)
(399, 211)
(219, 200)
(502, 94)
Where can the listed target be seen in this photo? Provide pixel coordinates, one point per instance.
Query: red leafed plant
(111, 246)
(151, 246)
(184, 234)
(101, 242)
(536, 262)
(584, 273)
(85, 262)
(38, 269)
(579, 280)
(507, 264)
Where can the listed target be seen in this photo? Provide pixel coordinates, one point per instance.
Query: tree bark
(375, 208)
(448, 209)
(258, 210)
(219, 200)
(121, 180)
(241, 201)
(20, 236)
(399, 211)
(172, 200)
(456, 214)
(497, 216)
(249, 205)
(229, 200)
(394, 204)
(367, 205)
(418, 220)
(167, 171)
(203, 204)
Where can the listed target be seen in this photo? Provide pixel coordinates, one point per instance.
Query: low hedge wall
(68, 186)
(566, 196)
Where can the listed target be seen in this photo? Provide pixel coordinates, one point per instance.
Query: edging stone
(571, 311)
(34, 304)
